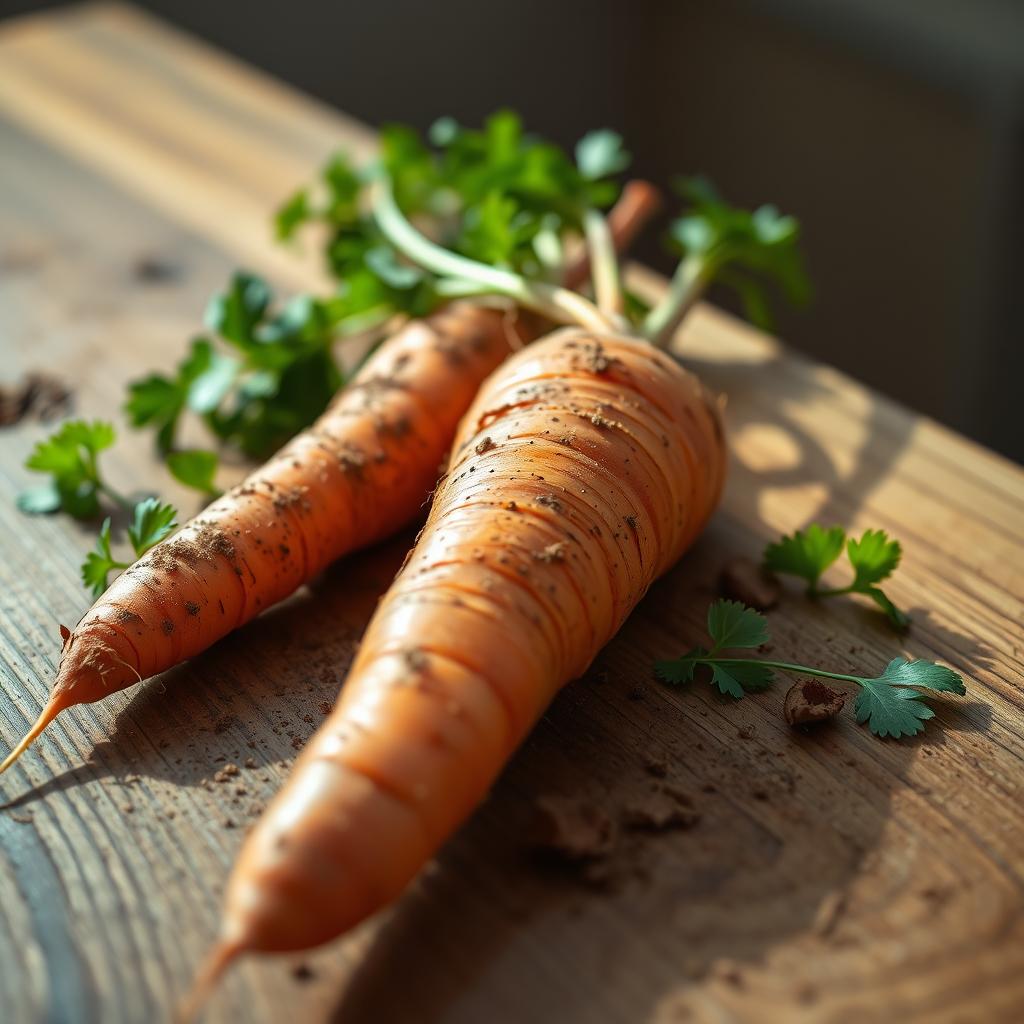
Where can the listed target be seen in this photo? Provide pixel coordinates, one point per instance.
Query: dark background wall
(895, 131)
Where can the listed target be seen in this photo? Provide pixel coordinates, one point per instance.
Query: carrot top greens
(890, 703)
(265, 371)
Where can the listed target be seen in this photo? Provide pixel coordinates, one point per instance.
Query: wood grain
(831, 876)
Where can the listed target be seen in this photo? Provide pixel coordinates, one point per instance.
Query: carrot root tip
(217, 961)
(50, 711)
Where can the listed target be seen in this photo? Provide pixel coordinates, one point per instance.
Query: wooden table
(831, 876)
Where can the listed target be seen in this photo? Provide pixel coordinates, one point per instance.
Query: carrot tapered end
(50, 711)
(217, 961)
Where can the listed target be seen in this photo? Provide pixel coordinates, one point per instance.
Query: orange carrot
(363, 470)
(585, 467)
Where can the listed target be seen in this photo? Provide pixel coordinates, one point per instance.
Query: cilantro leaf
(151, 522)
(732, 624)
(194, 468)
(891, 711)
(874, 557)
(926, 674)
(677, 671)
(100, 562)
(734, 678)
(807, 553)
(69, 455)
(890, 703)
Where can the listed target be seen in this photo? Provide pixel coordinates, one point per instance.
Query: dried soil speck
(571, 829)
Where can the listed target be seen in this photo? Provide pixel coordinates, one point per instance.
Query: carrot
(586, 466)
(359, 473)
(584, 469)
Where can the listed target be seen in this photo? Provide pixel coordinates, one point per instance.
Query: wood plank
(830, 875)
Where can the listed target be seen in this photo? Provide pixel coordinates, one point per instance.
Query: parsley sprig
(891, 703)
(272, 373)
(873, 557)
(70, 456)
(152, 520)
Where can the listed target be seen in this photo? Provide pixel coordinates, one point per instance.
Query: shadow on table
(253, 697)
(786, 821)
(782, 830)
(757, 394)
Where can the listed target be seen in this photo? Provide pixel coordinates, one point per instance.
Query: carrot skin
(362, 471)
(581, 473)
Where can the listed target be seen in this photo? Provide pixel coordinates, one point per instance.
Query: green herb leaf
(899, 620)
(891, 703)
(926, 674)
(601, 154)
(194, 468)
(807, 553)
(891, 711)
(291, 215)
(874, 557)
(678, 671)
(69, 455)
(100, 562)
(41, 500)
(735, 678)
(731, 624)
(151, 522)
(762, 243)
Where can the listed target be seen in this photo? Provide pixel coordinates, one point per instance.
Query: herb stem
(604, 264)
(691, 278)
(549, 249)
(114, 496)
(552, 301)
(785, 666)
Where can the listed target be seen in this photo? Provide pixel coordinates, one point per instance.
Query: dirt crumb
(744, 580)
(153, 269)
(250, 762)
(37, 396)
(828, 915)
(223, 723)
(572, 829)
(484, 446)
(812, 701)
(325, 707)
(303, 972)
(226, 774)
(658, 811)
(552, 553)
(298, 742)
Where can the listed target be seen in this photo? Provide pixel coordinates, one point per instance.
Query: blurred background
(894, 130)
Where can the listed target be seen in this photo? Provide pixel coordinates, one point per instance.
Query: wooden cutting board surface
(830, 876)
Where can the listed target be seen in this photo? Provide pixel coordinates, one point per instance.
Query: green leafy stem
(873, 557)
(891, 703)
